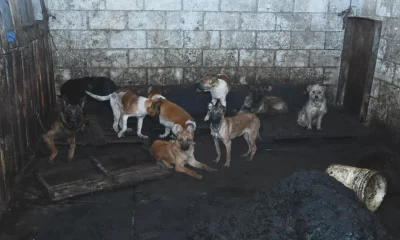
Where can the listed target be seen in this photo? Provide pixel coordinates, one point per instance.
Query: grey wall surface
(178, 41)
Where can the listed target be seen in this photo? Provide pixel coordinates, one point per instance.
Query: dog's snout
(185, 146)
(316, 96)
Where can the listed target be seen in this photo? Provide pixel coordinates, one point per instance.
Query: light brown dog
(226, 129)
(125, 104)
(171, 114)
(178, 152)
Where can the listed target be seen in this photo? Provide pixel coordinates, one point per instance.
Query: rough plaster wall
(177, 41)
(385, 94)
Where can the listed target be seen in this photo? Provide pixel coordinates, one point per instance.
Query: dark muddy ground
(170, 208)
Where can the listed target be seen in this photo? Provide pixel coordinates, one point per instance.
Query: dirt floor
(169, 208)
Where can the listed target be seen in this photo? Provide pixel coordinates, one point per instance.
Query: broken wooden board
(110, 167)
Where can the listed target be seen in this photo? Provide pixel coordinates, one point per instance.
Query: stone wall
(385, 95)
(177, 41)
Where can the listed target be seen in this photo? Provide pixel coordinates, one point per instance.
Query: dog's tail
(97, 97)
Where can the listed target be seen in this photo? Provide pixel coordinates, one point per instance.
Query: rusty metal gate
(26, 86)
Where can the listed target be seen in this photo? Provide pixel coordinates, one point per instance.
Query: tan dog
(226, 129)
(171, 114)
(178, 152)
(125, 104)
(218, 85)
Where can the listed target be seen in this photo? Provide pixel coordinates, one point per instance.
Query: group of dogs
(179, 151)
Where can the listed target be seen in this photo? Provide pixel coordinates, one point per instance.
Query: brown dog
(69, 121)
(125, 104)
(171, 114)
(178, 152)
(226, 129)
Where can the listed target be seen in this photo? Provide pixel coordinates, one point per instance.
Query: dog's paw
(206, 118)
(216, 160)
(309, 128)
(143, 136)
(244, 155)
(120, 134)
(227, 165)
(162, 136)
(248, 159)
(211, 169)
(115, 128)
(129, 129)
(199, 177)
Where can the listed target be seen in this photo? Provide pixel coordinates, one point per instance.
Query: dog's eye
(78, 113)
(313, 91)
(69, 112)
(319, 92)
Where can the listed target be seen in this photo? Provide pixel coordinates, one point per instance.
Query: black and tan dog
(258, 102)
(227, 128)
(178, 152)
(69, 121)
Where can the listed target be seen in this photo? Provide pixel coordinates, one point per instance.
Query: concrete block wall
(178, 41)
(384, 105)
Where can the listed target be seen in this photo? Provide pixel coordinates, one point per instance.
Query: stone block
(109, 58)
(264, 58)
(220, 58)
(161, 76)
(107, 20)
(375, 88)
(311, 6)
(221, 21)
(306, 75)
(201, 39)
(291, 58)
(89, 72)
(307, 40)
(337, 6)
(71, 58)
(239, 5)
(68, 20)
(62, 75)
(200, 5)
(127, 39)
(183, 58)
(238, 39)
(87, 4)
(272, 75)
(293, 21)
(325, 58)
(382, 48)
(258, 21)
(165, 5)
(124, 5)
(396, 79)
(392, 52)
(184, 20)
(90, 39)
(331, 76)
(61, 38)
(247, 58)
(165, 39)
(334, 40)
(147, 20)
(391, 29)
(384, 8)
(396, 10)
(147, 58)
(273, 40)
(326, 22)
(129, 76)
(384, 70)
(236, 75)
(275, 5)
(57, 5)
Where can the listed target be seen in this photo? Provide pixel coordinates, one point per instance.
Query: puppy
(171, 114)
(178, 152)
(218, 85)
(125, 104)
(69, 121)
(226, 129)
(258, 103)
(315, 108)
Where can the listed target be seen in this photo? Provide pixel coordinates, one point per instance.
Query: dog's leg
(228, 153)
(72, 146)
(166, 133)
(218, 149)
(253, 145)
(194, 163)
(139, 128)
(213, 101)
(167, 164)
(49, 140)
(117, 118)
(124, 125)
(247, 138)
(121, 125)
(309, 121)
(180, 168)
(319, 121)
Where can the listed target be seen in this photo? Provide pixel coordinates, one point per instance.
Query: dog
(171, 114)
(178, 152)
(228, 128)
(218, 85)
(315, 108)
(125, 104)
(68, 122)
(258, 103)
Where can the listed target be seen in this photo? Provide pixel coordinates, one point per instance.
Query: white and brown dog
(315, 108)
(125, 104)
(178, 152)
(171, 114)
(218, 85)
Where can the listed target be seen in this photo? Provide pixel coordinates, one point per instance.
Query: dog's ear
(323, 88)
(308, 89)
(190, 128)
(210, 106)
(149, 89)
(65, 101)
(267, 89)
(209, 73)
(82, 102)
(177, 129)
